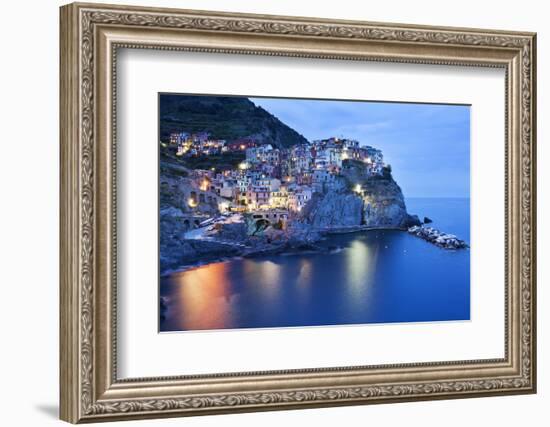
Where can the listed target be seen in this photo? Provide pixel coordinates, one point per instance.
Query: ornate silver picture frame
(91, 34)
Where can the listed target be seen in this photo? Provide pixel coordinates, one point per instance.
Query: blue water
(374, 277)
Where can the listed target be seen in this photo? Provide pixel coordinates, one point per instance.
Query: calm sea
(373, 277)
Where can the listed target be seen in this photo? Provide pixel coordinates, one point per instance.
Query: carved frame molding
(90, 37)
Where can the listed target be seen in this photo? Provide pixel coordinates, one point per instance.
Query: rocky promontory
(332, 210)
(360, 200)
(356, 201)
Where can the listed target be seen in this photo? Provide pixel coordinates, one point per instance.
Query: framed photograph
(267, 212)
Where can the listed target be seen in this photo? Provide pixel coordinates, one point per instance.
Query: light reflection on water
(361, 263)
(204, 297)
(374, 277)
(268, 279)
(304, 277)
(249, 292)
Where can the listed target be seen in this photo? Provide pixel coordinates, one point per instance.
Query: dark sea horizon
(377, 276)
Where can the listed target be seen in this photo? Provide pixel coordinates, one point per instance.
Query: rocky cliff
(360, 200)
(384, 204)
(378, 204)
(334, 209)
(226, 237)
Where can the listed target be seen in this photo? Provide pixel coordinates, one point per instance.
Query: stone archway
(261, 224)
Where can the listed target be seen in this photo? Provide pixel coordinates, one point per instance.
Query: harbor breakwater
(438, 238)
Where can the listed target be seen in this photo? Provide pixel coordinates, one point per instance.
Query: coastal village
(249, 196)
(249, 206)
(270, 182)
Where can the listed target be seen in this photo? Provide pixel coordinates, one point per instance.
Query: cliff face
(225, 117)
(371, 201)
(384, 205)
(333, 210)
(175, 193)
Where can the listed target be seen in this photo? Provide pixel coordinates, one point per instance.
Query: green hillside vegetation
(172, 165)
(224, 117)
(221, 162)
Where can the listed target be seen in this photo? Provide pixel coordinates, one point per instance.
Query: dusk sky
(428, 146)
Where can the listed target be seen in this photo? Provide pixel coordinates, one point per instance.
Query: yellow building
(279, 199)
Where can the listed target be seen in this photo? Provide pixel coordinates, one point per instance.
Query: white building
(228, 188)
(299, 159)
(263, 154)
(243, 182)
(298, 198)
(273, 184)
(323, 180)
(321, 160)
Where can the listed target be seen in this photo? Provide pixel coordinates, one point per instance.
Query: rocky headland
(195, 230)
(357, 203)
